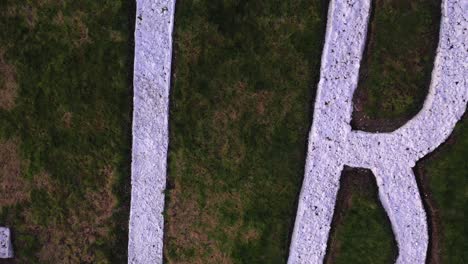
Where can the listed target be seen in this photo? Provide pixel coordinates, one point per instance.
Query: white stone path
(391, 156)
(153, 51)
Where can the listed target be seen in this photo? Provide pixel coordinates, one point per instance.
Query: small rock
(6, 248)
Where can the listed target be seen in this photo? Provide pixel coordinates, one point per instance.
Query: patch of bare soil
(13, 188)
(8, 83)
(116, 36)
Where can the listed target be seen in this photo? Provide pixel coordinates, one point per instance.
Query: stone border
(152, 67)
(6, 248)
(391, 156)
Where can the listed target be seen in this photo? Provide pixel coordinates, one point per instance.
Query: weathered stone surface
(391, 156)
(6, 248)
(153, 50)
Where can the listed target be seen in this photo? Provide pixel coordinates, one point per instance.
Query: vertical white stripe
(152, 69)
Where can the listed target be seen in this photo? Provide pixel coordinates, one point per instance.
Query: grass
(244, 75)
(67, 125)
(366, 237)
(447, 172)
(401, 47)
(362, 231)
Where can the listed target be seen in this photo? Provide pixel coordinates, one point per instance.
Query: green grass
(447, 174)
(402, 45)
(364, 234)
(243, 81)
(367, 236)
(71, 120)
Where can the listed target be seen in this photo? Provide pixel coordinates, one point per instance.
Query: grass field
(395, 73)
(243, 80)
(446, 172)
(362, 231)
(65, 118)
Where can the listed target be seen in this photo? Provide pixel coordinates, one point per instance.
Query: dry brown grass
(71, 241)
(29, 13)
(13, 188)
(82, 30)
(8, 83)
(183, 215)
(59, 19)
(42, 181)
(67, 119)
(192, 226)
(228, 117)
(116, 36)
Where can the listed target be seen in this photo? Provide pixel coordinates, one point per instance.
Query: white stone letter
(391, 156)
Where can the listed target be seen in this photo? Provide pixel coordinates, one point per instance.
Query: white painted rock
(6, 249)
(390, 156)
(153, 51)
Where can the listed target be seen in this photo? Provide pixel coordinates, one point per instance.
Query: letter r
(391, 156)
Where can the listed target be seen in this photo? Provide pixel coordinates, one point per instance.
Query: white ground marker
(153, 51)
(6, 249)
(391, 156)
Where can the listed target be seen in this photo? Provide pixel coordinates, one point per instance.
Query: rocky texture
(6, 249)
(391, 156)
(153, 50)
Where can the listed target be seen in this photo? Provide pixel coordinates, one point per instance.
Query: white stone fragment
(153, 51)
(6, 248)
(391, 156)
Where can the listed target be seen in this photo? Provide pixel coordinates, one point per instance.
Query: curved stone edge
(445, 103)
(152, 68)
